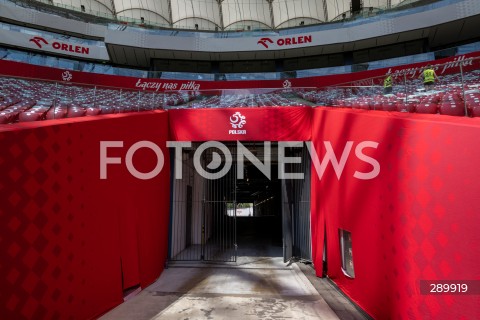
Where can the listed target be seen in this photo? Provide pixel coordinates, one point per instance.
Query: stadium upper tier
(229, 14)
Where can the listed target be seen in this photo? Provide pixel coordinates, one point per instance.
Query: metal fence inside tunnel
(200, 227)
(240, 213)
(296, 209)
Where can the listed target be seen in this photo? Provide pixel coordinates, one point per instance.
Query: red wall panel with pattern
(416, 220)
(70, 242)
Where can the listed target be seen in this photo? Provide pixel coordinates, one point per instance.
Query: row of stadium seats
(249, 100)
(451, 96)
(29, 100)
(24, 100)
(450, 103)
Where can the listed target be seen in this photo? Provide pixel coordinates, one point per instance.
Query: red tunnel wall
(418, 219)
(65, 234)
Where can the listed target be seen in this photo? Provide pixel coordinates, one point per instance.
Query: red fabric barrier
(261, 124)
(65, 234)
(418, 219)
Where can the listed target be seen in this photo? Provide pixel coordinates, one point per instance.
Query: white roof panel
(226, 14)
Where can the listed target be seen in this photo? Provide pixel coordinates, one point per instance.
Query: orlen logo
(39, 41)
(289, 41)
(237, 120)
(264, 42)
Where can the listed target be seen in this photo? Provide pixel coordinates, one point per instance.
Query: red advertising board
(17, 69)
(247, 124)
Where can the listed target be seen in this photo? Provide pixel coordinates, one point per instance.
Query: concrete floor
(262, 289)
(258, 285)
(251, 288)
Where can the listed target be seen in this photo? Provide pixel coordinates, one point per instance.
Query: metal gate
(296, 209)
(203, 215)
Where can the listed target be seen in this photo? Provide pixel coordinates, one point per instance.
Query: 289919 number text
(445, 287)
(450, 286)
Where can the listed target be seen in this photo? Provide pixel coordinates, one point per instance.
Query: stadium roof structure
(229, 15)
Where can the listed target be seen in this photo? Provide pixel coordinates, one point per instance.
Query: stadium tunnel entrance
(242, 213)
